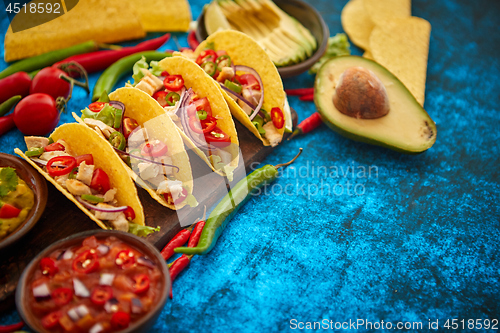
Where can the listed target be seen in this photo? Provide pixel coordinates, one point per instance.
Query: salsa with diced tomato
(102, 284)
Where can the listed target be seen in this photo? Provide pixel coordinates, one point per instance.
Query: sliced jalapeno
(267, 116)
(259, 127)
(117, 140)
(233, 86)
(92, 198)
(118, 118)
(223, 61)
(209, 67)
(202, 114)
(72, 174)
(172, 98)
(34, 152)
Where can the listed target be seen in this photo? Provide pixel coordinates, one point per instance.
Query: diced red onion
(136, 305)
(145, 261)
(101, 209)
(82, 311)
(39, 161)
(106, 279)
(146, 160)
(80, 290)
(97, 328)
(257, 76)
(42, 291)
(73, 314)
(109, 305)
(103, 249)
(117, 105)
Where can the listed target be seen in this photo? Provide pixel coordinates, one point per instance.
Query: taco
(249, 82)
(196, 105)
(89, 173)
(148, 143)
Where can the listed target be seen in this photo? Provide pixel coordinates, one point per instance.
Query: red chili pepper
(99, 60)
(69, 163)
(12, 327)
(299, 91)
(178, 266)
(16, 84)
(195, 235)
(180, 239)
(51, 320)
(307, 98)
(125, 259)
(6, 124)
(307, 125)
(48, 266)
(192, 41)
(140, 283)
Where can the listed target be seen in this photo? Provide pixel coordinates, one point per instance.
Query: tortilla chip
(402, 46)
(83, 140)
(381, 11)
(105, 21)
(243, 50)
(357, 23)
(203, 85)
(368, 55)
(162, 15)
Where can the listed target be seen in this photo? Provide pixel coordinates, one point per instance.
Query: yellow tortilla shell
(162, 15)
(82, 140)
(381, 11)
(357, 23)
(245, 51)
(203, 86)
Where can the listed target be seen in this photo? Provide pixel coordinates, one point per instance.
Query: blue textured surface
(419, 240)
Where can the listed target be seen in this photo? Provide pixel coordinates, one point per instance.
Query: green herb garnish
(8, 181)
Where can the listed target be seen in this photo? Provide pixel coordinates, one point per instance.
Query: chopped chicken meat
(105, 129)
(85, 173)
(76, 187)
(51, 154)
(36, 142)
(149, 83)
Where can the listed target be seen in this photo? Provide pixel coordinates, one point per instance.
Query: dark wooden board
(62, 218)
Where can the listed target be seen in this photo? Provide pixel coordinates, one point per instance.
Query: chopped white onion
(136, 305)
(82, 311)
(68, 254)
(73, 314)
(111, 305)
(103, 249)
(80, 289)
(106, 279)
(41, 291)
(97, 328)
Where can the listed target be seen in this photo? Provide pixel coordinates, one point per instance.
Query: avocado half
(405, 128)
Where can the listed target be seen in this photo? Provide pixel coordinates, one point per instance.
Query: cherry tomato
(100, 181)
(207, 125)
(201, 104)
(129, 213)
(168, 197)
(129, 125)
(51, 320)
(101, 294)
(154, 148)
(277, 117)
(49, 81)
(174, 82)
(54, 147)
(160, 97)
(97, 106)
(218, 138)
(140, 283)
(206, 55)
(8, 211)
(86, 262)
(248, 80)
(125, 259)
(62, 296)
(88, 158)
(48, 266)
(61, 165)
(120, 320)
(36, 114)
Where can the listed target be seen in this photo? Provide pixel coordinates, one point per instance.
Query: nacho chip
(357, 23)
(368, 55)
(381, 11)
(105, 21)
(162, 15)
(402, 46)
(82, 140)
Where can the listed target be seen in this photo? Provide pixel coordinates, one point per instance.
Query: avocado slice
(405, 128)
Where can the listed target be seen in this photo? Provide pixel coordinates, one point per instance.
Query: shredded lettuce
(137, 73)
(338, 45)
(141, 230)
(155, 68)
(191, 200)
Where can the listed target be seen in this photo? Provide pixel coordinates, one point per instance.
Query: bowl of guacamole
(23, 196)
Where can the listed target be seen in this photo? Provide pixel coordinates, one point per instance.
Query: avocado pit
(360, 94)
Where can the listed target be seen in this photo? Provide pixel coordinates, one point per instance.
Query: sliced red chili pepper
(88, 158)
(161, 97)
(97, 106)
(51, 320)
(64, 165)
(155, 148)
(101, 294)
(140, 283)
(86, 262)
(277, 117)
(56, 146)
(8, 211)
(48, 266)
(248, 80)
(206, 55)
(307, 125)
(164, 73)
(129, 125)
(120, 320)
(125, 259)
(174, 82)
(170, 201)
(129, 213)
(218, 138)
(62, 296)
(100, 181)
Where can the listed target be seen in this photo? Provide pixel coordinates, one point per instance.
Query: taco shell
(162, 15)
(243, 50)
(83, 140)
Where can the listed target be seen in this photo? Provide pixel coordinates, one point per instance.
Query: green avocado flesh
(406, 128)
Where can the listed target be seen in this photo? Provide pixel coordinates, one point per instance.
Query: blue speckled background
(418, 241)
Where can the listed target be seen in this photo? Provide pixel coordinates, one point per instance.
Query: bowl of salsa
(96, 281)
(23, 196)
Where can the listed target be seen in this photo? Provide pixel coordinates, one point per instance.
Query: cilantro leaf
(8, 181)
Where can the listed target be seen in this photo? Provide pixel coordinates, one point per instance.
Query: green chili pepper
(72, 174)
(117, 140)
(223, 61)
(48, 59)
(230, 204)
(8, 104)
(92, 198)
(209, 67)
(233, 86)
(267, 116)
(51, 141)
(113, 73)
(34, 152)
(202, 114)
(258, 122)
(118, 118)
(172, 98)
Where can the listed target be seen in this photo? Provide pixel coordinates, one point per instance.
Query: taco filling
(147, 156)
(89, 184)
